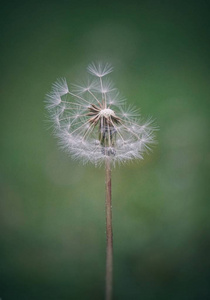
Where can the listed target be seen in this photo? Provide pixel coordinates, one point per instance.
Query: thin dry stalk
(109, 234)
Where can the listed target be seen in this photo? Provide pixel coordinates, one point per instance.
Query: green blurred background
(52, 214)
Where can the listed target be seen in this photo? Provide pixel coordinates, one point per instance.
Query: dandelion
(94, 125)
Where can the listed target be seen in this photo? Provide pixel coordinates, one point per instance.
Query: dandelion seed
(99, 70)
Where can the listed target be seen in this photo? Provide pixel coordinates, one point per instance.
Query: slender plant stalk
(109, 235)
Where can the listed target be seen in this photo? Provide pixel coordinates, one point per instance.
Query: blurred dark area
(52, 211)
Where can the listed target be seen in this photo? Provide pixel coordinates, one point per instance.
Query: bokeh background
(52, 214)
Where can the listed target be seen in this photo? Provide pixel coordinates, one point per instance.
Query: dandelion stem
(109, 235)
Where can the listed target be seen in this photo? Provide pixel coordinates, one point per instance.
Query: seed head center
(107, 112)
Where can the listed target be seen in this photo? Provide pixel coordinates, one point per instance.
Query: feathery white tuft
(100, 69)
(92, 121)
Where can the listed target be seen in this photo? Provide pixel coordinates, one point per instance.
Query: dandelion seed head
(92, 121)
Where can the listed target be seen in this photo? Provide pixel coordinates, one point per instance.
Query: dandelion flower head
(92, 122)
